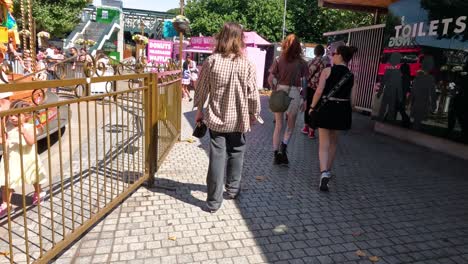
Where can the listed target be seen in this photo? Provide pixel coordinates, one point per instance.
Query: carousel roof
(358, 5)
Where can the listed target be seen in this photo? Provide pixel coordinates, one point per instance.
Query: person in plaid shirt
(315, 68)
(228, 81)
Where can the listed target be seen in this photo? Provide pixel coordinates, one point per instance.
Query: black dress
(337, 114)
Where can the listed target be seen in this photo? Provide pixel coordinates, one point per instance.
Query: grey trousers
(230, 146)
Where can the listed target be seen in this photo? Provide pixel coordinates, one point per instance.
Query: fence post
(151, 130)
(149, 142)
(179, 110)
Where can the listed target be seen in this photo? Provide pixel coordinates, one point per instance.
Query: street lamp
(284, 18)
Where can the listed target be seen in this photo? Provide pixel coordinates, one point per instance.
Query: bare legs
(290, 128)
(277, 132)
(291, 124)
(37, 188)
(185, 92)
(328, 140)
(6, 198)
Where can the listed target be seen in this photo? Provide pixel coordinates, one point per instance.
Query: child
(27, 62)
(13, 158)
(185, 84)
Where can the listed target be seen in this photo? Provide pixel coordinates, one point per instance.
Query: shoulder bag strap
(335, 89)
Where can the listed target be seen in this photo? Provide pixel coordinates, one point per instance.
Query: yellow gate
(92, 151)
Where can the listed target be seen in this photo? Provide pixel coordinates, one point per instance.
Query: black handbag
(200, 130)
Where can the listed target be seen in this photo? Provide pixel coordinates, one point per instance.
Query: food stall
(201, 47)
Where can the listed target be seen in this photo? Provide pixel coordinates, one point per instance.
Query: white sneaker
(324, 179)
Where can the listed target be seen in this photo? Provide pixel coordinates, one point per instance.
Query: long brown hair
(291, 48)
(230, 40)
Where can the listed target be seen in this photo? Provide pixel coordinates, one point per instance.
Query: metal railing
(105, 146)
(365, 63)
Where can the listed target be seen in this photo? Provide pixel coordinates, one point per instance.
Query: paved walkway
(390, 201)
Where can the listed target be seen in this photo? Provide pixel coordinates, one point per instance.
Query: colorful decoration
(181, 24)
(169, 30)
(43, 34)
(87, 42)
(25, 32)
(140, 39)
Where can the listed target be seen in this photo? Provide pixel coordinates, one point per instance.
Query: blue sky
(156, 5)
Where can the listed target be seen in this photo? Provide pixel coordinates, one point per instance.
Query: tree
(59, 17)
(207, 16)
(174, 11)
(311, 21)
(304, 17)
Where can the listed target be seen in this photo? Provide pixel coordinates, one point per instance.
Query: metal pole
(179, 97)
(24, 22)
(181, 35)
(284, 19)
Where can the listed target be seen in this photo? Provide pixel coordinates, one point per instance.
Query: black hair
(405, 69)
(346, 52)
(319, 50)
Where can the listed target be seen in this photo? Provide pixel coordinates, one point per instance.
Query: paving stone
(368, 206)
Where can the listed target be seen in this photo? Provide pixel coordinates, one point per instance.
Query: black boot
(277, 158)
(284, 155)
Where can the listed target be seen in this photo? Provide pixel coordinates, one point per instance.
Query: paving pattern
(389, 202)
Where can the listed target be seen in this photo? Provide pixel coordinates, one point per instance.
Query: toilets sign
(159, 51)
(448, 26)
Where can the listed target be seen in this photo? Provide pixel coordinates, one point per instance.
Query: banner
(159, 51)
(202, 42)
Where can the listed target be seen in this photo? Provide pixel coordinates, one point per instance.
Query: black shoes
(277, 158)
(281, 156)
(324, 179)
(284, 150)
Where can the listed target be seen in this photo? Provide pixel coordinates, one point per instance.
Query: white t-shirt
(49, 52)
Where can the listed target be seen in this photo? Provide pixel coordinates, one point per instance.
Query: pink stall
(202, 47)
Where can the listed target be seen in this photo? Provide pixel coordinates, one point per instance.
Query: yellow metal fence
(91, 152)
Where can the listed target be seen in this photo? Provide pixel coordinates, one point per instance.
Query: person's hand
(303, 106)
(253, 120)
(199, 116)
(311, 110)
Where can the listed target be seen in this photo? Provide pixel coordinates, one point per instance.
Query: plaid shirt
(233, 94)
(315, 67)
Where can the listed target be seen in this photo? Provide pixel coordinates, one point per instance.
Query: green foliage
(312, 21)
(59, 17)
(174, 11)
(304, 17)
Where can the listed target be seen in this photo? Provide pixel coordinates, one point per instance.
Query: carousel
(11, 40)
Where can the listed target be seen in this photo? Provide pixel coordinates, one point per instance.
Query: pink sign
(159, 51)
(202, 42)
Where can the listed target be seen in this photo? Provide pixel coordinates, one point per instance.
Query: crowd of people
(227, 85)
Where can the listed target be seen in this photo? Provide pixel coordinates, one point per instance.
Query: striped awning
(358, 5)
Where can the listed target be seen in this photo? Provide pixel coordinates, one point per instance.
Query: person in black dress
(336, 114)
